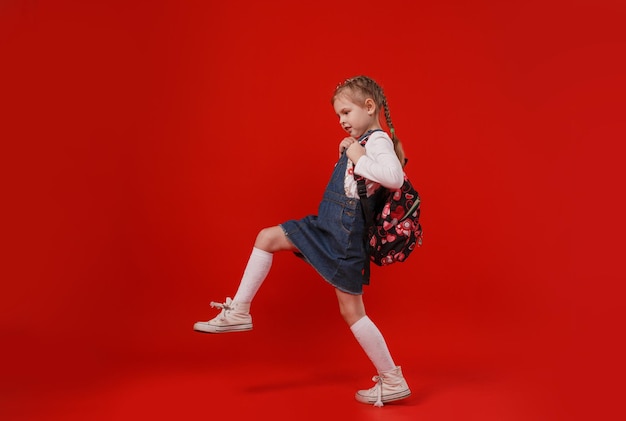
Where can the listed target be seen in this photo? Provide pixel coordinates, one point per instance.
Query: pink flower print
(387, 260)
(386, 211)
(389, 238)
(405, 228)
(396, 195)
(388, 225)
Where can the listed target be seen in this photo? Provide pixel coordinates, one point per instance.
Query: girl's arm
(380, 162)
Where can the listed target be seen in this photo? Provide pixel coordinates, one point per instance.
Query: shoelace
(379, 390)
(224, 306)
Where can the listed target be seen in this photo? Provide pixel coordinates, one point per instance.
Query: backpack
(392, 228)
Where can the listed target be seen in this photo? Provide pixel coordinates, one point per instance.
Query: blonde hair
(363, 87)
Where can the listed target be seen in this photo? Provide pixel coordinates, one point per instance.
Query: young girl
(333, 241)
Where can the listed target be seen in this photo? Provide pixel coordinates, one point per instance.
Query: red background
(146, 143)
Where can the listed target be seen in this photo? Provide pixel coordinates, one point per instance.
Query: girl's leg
(365, 331)
(235, 314)
(390, 383)
(268, 241)
(273, 239)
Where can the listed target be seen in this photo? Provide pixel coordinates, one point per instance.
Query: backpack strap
(362, 188)
(368, 213)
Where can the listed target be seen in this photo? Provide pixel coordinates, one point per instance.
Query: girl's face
(356, 119)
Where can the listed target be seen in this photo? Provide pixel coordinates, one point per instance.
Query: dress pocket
(334, 217)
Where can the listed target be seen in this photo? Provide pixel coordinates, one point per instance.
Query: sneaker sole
(222, 329)
(387, 398)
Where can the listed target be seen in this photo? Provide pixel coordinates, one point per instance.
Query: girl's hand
(345, 143)
(355, 151)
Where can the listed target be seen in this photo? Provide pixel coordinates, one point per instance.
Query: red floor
(245, 390)
(283, 375)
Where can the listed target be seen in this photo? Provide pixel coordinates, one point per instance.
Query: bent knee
(272, 239)
(264, 236)
(264, 239)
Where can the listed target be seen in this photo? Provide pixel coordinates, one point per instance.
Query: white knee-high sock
(373, 343)
(257, 269)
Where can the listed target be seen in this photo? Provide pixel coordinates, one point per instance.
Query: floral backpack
(392, 228)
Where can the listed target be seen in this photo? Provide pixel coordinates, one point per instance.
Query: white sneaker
(390, 386)
(234, 317)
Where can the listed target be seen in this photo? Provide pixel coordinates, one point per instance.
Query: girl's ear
(370, 106)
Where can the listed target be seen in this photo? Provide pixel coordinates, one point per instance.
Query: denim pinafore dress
(332, 241)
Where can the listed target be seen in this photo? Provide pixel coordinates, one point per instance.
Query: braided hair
(363, 87)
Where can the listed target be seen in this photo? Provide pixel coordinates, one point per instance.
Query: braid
(397, 145)
(367, 87)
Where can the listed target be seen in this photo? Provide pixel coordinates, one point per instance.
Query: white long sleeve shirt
(379, 165)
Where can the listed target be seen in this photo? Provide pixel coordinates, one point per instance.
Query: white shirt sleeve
(380, 163)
